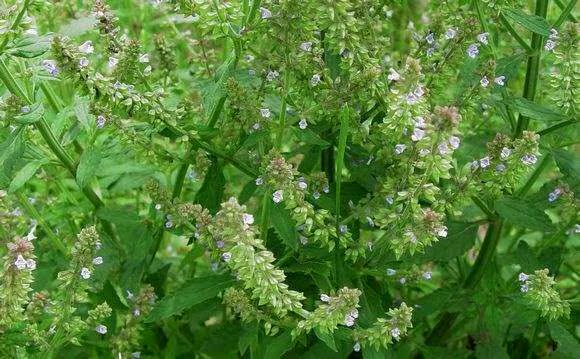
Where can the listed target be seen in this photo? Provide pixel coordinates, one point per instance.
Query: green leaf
(25, 174)
(30, 46)
(211, 192)
(284, 225)
(327, 338)
(538, 112)
(277, 346)
(309, 137)
(569, 165)
(88, 165)
(568, 346)
(35, 113)
(214, 99)
(533, 23)
(524, 214)
(193, 292)
(460, 239)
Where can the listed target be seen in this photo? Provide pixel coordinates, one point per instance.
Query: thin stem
(533, 68)
(14, 25)
(561, 6)
(537, 172)
(483, 206)
(557, 127)
(32, 212)
(565, 12)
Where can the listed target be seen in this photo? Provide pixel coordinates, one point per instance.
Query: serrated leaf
(211, 192)
(24, 175)
(30, 46)
(284, 225)
(523, 214)
(568, 346)
(277, 346)
(461, 237)
(327, 338)
(88, 165)
(193, 292)
(569, 165)
(35, 113)
(533, 110)
(533, 23)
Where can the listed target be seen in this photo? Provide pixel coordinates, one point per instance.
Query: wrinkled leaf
(521, 213)
(533, 23)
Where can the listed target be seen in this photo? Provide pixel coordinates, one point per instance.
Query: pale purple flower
(442, 231)
(87, 47)
(485, 162)
(306, 46)
(98, 261)
(500, 168)
(550, 45)
(389, 199)
(349, 321)
(101, 121)
(427, 275)
(272, 75)
(25, 109)
(483, 38)
(403, 280)
(278, 196)
(265, 13)
(51, 67)
(315, 80)
(247, 219)
(424, 152)
(220, 244)
(259, 181)
(554, 195)
(265, 112)
(484, 81)
(144, 59)
(393, 75)
(522, 277)
(412, 237)
(20, 262)
(524, 288)
(101, 329)
(83, 62)
(85, 273)
(325, 298)
(342, 228)
(136, 312)
(226, 257)
(31, 264)
(391, 272)
(302, 124)
(395, 333)
(302, 184)
(326, 188)
(443, 148)
(418, 134)
(500, 80)
(454, 141)
(400, 148)
(430, 38)
(505, 153)
(316, 195)
(529, 159)
(356, 347)
(450, 33)
(112, 63)
(473, 51)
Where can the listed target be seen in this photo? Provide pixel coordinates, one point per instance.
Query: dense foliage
(289, 178)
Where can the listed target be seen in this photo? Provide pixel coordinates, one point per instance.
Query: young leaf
(533, 23)
(538, 112)
(193, 292)
(568, 346)
(521, 213)
(211, 192)
(284, 225)
(327, 338)
(25, 174)
(88, 165)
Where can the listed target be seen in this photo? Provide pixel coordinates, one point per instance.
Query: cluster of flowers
(539, 292)
(411, 275)
(384, 331)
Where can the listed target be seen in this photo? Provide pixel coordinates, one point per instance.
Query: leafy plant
(294, 178)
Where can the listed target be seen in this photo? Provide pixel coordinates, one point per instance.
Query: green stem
(265, 217)
(32, 212)
(533, 339)
(533, 68)
(561, 6)
(483, 206)
(343, 134)
(557, 127)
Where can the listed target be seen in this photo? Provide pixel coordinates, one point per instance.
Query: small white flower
(83, 62)
(354, 313)
(524, 288)
(483, 38)
(278, 196)
(554, 195)
(303, 240)
(522, 277)
(484, 81)
(400, 148)
(500, 80)
(302, 184)
(158, 206)
(393, 75)
(168, 223)
(370, 221)
(443, 148)
(259, 181)
(348, 321)
(302, 124)
(391, 272)
(98, 245)
(427, 275)
(472, 51)
(226, 256)
(265, 13)
(144, 59)
(356, 347)
(505, 153)
(101, 329)
(418, 134)
(136, 312)
(147, 71)
(265, 112)
(101, 121)
(395, 333)
(389, 199)
(529, 159)
(136, 355)
(20, 262)
(306, 46)
(403, 280)
(248, 218)
(484, 162)
(220, 244)
(430, 38)
(326, 188)
(315, 80)
(412, 237)
(85, 273)
(454, 141)
(420, 122)
(442, 231)
(553, 33)
(450, 33)
(550, 45)
(113, 61)
(325, 298)
(98, 261)
(272, 75)
(424, 152)
(87, 47)
(343, 228)
(316, 195)
(500, 168)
